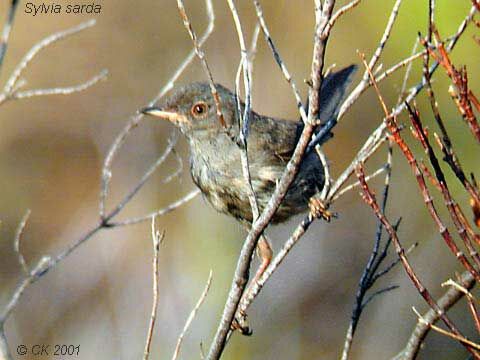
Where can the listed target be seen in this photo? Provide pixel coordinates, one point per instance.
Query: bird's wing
(272, 138)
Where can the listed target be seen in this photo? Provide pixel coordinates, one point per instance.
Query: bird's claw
(318, 210)
(240, 323)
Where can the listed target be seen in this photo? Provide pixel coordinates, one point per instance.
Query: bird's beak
(169, 115)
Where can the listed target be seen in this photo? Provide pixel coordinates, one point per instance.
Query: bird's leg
(318, 209)
(265, 254)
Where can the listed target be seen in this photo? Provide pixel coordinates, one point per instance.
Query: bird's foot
(318, 209)
(240, 323)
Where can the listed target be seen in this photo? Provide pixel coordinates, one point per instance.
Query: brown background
(52, 149)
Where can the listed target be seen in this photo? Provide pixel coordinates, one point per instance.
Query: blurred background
(52, 150)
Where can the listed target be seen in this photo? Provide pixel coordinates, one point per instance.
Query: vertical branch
(7, 28)
(192, 315)
(245, 66)
(157, 239)
(201, 56)
(4, 350)
(369, 277)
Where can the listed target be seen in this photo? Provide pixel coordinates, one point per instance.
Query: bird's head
(192, 109)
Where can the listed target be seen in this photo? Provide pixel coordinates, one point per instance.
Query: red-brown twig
(369, 198)
(442, 229)
(449, 201)
(463, 96)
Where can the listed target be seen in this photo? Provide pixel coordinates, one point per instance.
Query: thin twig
(446, 301)
(370, 200)
(161, 159)
(192, 315)
(470, 300)
(165, 210)
(342, 11)
(157, 239)
(203, 60)
(245, 67)
(7, 28)
(364, 83)
(459, 338)
(368, 278)
(357, 183)
(16, 242)
(17, 72)
(67, 90)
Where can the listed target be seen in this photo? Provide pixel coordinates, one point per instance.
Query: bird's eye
(199, 109)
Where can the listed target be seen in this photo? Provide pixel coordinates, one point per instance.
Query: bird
(215, 152)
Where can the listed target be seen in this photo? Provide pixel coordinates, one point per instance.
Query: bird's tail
(332, 95)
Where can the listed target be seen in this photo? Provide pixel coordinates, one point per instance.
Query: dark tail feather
(332, 95)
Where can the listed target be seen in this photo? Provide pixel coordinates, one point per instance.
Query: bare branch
(369, 198)
(203, 60)
(6, 29)
(161, 159)
(364, 83)
(174, 205)
(16, 242)
(356, 184)
(413, 92)
(59, 90)
(459, 338)
(342, 11)
(192, 315)
(157, 239)
(245, 65)
(450, 298)
(17, 72)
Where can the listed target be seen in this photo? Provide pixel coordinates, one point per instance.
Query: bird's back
(216, 169)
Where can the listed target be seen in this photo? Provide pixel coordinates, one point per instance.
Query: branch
(419, 333)
(369, 198)
(192, 315)
(201, 56)
(157, 239)
(245, 65)
(67, 90)
(6, 30)
(10, 91)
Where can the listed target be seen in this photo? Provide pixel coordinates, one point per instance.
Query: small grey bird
(215, 163)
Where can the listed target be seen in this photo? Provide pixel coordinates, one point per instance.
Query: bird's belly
(228, 194)
(225, 193)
